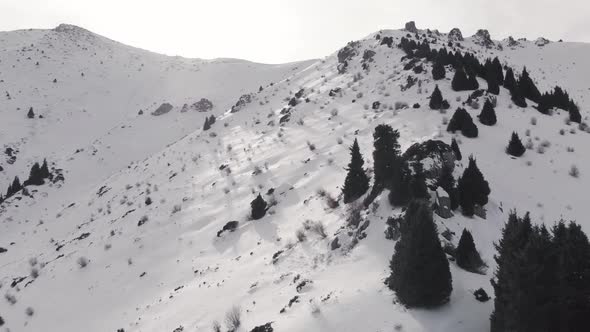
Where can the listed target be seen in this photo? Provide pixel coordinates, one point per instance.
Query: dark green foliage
(35, 176)
(418, 188)
(45, 170)
(31, 114)
(259, 208)
(527, 87)
(559, 98)
(509, 80)
(436, 100)
(497, 68)
(212, 119)
(456, 149)
(447, 182)
(385, 155)
(356, 183)
(492, 78)
(542, 281)
(14, 187)
(400, 191)
(207, 124)
(488, 114)
(515, 147)
(438, 70)
(460, 81)
(420, 274)
(462, 121)
(466, 254)
(473, 189)
(517, 97)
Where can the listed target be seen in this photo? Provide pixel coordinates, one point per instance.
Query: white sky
(275, 31)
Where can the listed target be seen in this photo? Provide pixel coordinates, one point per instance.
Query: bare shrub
(534, 121)
(300, 235)
(176, 208)
(310, 146)
(233, 318)
(400, 105)
(10, 298)
(574, 171)
(334, 112)
(316, 227)
(34, 273)
(82, 262)
(216, 327)
(29, 311)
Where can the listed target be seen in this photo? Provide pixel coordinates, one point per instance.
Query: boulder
(433, 154)
(443, 204)
(163, 109)
(541, 41)
(241, 103)
(411, 27)
(481, 295)
(455, 35)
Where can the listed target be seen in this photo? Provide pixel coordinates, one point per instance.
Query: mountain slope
(161, 266)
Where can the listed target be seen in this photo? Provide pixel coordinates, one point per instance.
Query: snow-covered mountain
(90, 254)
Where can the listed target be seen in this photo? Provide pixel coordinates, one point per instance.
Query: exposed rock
(455, 35)
(263, 328)
(3, 250)
(345, 54)
(541, 41)
(335, 244)
(241, 103)
(411, 27)
(163, 109)
(203, 105)
(481, 295)
(482, 37)
(511, 42)
(433, 154)
(443, 203)
(229, 227)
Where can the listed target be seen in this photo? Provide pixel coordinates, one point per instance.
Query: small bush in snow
(334, 112)
(562, 132)
(400, 105)
(570, 149)
(216, 326)
(82, 262)
(29, 311)
(34, 273)
(527, 132)
(474, 104)
(233, 318)
(574, 171)
(10, 298)
(339, 140)
(300, 235)
(176, 208)
(534, 121)
(310, 146)
(540, 149)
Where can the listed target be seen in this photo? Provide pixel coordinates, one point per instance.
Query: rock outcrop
(163, 109)
(455, 35)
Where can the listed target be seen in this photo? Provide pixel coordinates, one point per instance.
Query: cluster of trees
(436, 100)
(468, 68)
(37, 176)
(542, 281)
(462, 121)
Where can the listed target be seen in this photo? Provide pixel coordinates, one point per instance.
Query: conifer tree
(517, 97)
(574, 111)
(460, 81)
(492, 78)
(472, 83)
(527, 87)
(473, 189)
(418, 188)
(447, 182)
(356, 183)
(420, 273)
(456, 150)
(436, 100)
(207, 125)
(509, 80)
(387, 151)
(462, 121)
(466, 254)
(31, 114)
(497, 67)
(400, 192)
(14, 187)
(212, 119)
(488, 114)
(515, 147)
(259, 207)
(35, 176)
(438, 69)
(45, 174)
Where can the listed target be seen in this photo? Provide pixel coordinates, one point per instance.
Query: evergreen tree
(573, 273)
(527, 87)
(447, 182)
(420, 273)
(492, 78)
(212, 119)
(31, 114)
(400, 192)
(472, 83)
(508, 282)
(497, 67)
(574, 111)
(456, 150)
(488, 114)
(35, 176)
(517, 97)
(466, 255)
(473, 188)
(461, 120)
(356, 183)
(515, 147)
(509, 80)
(460, 81)
(438, 69)
(436, 100)
(207, 125)
(45, 174)
(14, 187)
(387, 151)
(418, 188)
(259, 208)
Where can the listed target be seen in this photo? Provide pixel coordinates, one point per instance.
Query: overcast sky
(275, 31)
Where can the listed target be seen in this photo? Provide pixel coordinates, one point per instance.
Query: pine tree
(466, 254)
(515, 147)
(436, 100)
(35, 176)
(472, 83)
(497, 67)
(387, 151)
(14, 187)
(45, 174)
(527, 87)
(488, 114)
(492, 78)
(460, 81)
(509, 80)
(31, 114)
(212, 119)
(456, 150)
(400, 190)
(438, 69)
(259, 207)
(418, 188)
(356, 183)
(508, 282)
(574, 111)
(461, 120)
(420, 273)
(473, 188)
(447, 182)
(207, 125)
(517, 97)
(573, 272)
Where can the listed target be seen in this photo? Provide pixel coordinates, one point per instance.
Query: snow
(192, 277)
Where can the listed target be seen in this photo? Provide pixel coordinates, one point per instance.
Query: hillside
(106, 260)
